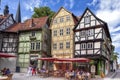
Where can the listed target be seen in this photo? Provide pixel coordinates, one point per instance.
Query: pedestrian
(29, 71)
(33, 71)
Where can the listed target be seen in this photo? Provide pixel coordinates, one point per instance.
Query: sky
(107, 10)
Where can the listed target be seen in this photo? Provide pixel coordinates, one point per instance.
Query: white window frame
(61, 19)
(61, 32)
(67, 18)
(83, 33)
(67, 31)
(90, 32)
(55, 46)
(55, 21)
(32, 46)
(37, 45)
(83, 45)
(33, 33)
(55, 33)
(61, 45)
(89, 45)
(87, 19)
(67, 45)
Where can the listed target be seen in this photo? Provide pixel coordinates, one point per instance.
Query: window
(55, 33)
(61, 32)
(68, 31)
(83, 46)
(55, 21)
(82, 33)
(61, 19)
(38, 46)
(32, 46)
(90, 45)
(67, 44)
(90, 32)
(87, 19)
(33, 33)
(67, 18)
(54, 46)
(61, 45)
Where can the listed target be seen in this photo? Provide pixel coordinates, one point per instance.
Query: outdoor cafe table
(3, 77)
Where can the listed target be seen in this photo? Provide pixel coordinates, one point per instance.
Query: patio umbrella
(6, 55)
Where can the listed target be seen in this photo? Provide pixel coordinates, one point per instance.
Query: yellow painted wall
(62, 53)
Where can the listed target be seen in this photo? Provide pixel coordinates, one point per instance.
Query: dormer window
(87, 19)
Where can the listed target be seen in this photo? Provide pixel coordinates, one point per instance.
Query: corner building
(93, 41)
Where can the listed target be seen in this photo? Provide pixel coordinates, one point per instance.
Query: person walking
(33, 71)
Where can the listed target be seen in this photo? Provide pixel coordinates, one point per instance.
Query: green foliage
(43, 11)
(115, 55)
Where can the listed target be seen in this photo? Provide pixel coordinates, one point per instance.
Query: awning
(6, 55)
(74, 59)
(47, 59)
(66, 59)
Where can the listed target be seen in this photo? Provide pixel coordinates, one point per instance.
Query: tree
(43, 11)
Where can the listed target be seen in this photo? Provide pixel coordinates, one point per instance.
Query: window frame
(61, 32)
(54, 46)
(87, 19)
(67, 31)
(55, 33)
(60, 45)
(67, 45)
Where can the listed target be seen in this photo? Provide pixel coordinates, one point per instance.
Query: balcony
(32, 37)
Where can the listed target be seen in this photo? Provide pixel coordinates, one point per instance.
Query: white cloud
(69, 4)
(92, 3)
(25, 18)
(29, 5)
(109, 11)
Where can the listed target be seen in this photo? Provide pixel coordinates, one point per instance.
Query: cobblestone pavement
(23, 76)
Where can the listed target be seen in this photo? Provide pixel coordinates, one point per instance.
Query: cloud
(25, 18)
(30, 4)
(109, 11)
(92, 3)
(69, 4)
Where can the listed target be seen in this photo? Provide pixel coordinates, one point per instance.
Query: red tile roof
(30, 24)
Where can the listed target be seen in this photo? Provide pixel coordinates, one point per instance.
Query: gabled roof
(105, 24)
(30, 24)
(75, 19)
(14, 28)
(4, 18)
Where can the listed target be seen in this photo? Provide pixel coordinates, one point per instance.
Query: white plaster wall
(8, 63)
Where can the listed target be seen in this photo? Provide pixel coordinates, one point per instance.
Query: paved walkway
(23, 76)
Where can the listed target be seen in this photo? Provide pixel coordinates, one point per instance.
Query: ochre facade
(62, 36)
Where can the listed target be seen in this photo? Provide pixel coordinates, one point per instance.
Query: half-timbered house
(62, 43)
(8, 39)
(93, 41)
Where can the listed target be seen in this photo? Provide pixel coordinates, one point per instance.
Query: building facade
(93, 41)
(34, 42)
(8, 40)
(62, 42)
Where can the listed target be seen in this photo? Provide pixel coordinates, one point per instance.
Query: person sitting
(3, 71)
(7, 71)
